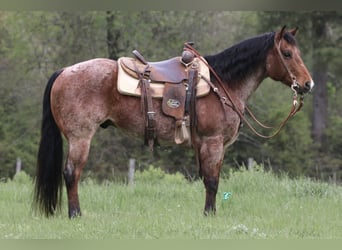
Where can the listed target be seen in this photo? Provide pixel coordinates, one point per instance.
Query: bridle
(296, 106)
(294, 84)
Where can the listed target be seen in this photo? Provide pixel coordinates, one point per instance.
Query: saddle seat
(170, 70)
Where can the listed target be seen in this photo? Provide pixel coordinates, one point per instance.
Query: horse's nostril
(308, 86)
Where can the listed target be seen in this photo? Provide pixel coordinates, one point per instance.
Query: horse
(79, 99)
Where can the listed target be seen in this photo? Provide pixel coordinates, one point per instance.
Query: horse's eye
(287, 54)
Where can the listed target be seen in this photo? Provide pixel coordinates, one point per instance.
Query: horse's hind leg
(77, 157)
(209, 158)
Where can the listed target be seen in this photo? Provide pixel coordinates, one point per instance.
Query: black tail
(48, 182)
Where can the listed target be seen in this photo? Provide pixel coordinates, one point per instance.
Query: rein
(295, 105)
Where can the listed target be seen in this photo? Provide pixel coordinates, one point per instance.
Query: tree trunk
(113, 36)
(320, 77)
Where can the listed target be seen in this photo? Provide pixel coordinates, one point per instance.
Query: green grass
(168, 207)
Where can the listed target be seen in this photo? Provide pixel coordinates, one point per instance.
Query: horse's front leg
(209, 158)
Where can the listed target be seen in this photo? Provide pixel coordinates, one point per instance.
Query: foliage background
(33, 44)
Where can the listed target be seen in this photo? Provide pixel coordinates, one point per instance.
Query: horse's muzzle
(307, 87)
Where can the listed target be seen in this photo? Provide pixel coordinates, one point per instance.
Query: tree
(323, 42)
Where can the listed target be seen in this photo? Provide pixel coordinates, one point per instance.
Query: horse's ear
(294, 31)
(280, 34)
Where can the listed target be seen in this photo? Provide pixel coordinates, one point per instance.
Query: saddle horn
(139, 57)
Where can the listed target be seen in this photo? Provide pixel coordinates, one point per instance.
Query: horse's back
(94, 71)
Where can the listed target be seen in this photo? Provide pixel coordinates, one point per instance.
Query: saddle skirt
(168, 71)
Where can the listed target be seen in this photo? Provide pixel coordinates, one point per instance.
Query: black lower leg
(211, 185)
(71, 185)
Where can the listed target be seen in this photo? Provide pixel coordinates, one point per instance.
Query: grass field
(162, 206)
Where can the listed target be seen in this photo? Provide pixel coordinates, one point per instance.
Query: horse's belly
(130, 119)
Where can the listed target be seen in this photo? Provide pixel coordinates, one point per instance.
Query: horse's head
(285, 64)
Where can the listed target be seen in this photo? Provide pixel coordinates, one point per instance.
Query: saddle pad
(128, 85)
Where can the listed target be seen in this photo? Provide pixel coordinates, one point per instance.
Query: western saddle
(176, 81)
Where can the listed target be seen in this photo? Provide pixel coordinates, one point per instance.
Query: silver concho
(173, 103)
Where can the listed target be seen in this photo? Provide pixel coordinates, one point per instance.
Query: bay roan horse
(79, 99)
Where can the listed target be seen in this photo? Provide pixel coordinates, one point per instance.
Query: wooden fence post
(18, 165)
(131, 170)
(250, 163)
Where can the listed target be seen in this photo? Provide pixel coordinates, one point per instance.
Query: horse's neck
(247, 87)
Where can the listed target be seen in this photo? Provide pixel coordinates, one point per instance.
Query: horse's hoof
(75, 214)
(209, 212)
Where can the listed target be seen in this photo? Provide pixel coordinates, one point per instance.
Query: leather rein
(296, 106)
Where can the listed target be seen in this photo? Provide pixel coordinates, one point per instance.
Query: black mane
(240, 61)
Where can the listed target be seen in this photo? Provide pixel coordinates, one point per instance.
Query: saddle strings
(294, 109)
